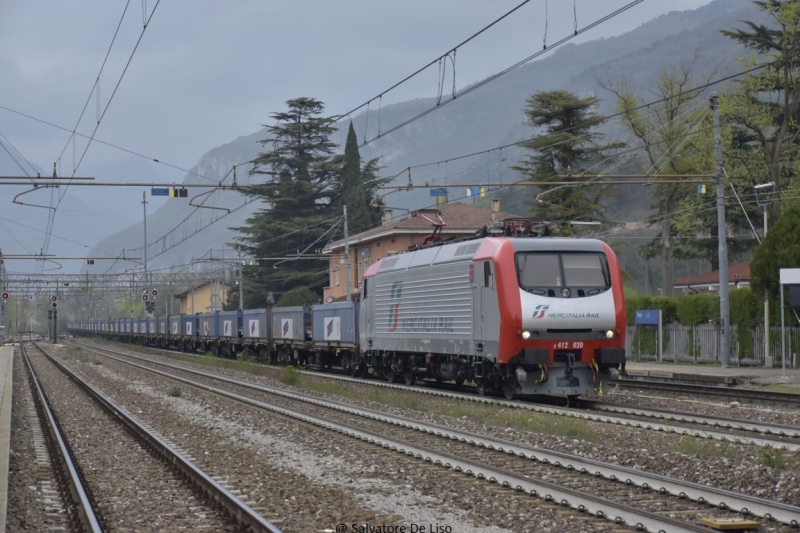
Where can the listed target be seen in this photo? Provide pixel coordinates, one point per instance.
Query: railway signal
(145, 297)
(54, 298)
(54, 305)
(5, 296)
(155, 294)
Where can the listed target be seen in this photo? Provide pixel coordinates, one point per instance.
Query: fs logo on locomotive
(540, 311)
(394, 310)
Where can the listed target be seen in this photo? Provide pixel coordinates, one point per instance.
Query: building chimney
(387, 217)
(441, 200)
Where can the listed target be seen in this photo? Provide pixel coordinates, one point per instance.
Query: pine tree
(568, 145)
(298, 192)
(768, 100)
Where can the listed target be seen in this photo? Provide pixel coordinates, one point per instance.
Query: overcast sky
(206, 72)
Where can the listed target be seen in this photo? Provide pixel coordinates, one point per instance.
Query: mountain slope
(488, 117)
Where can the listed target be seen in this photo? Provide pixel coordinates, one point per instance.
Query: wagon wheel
(510, 388)
(408, 376)
(459, 381)
(391, 375)
(481, 386)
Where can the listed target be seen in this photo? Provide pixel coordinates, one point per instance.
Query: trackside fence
(700, 344)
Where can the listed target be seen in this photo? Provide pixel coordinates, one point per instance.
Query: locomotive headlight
(610, 334)
(565, 292)
(526, 335)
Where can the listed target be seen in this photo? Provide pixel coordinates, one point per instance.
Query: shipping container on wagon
(336, 324)
(152, 326)
(128, 325)
(289, 324)
(254, 324)
(228, 324)
(142, 326)
(162, 325)
(189, 325)
(207, 325)
(175, 329)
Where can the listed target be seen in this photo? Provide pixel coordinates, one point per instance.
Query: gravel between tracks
(747, 469)
(133, 490)
(26, 504)
(311, 479)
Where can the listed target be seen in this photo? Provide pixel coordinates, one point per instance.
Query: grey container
(207, 325)
(163, 325)
(336, 324)
(228, 324)
(289, 324)
(254, 324)
(175, 326)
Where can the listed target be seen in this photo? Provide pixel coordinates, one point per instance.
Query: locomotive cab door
(483, 297)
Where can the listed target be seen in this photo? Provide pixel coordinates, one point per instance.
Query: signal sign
(155, 292)
(145, 297)
(5, 296)
(54, 298)
(54, 304)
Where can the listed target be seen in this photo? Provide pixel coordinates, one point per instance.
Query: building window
(336, 275)
(360, 272)
(377, 245)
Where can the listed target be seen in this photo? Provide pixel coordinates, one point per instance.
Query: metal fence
(700, 344)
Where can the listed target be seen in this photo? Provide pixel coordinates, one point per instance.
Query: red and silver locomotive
(518, 315)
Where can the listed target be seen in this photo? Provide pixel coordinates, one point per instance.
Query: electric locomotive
(519, 315)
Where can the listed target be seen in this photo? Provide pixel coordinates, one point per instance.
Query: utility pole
(764, 204)
(241, 290)
(347, 257)
(144, 205)
(722, 235)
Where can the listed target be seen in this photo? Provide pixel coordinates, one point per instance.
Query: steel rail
(80, 498)
(595, 417)
(236, 507)
(580, 501)
(748, 394)
(663, 427)
(726, 499)
(716, 421)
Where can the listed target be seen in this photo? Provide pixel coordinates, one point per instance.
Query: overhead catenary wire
(497, 75)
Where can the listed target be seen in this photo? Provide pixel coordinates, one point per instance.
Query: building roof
(738, 272)
(460, 219)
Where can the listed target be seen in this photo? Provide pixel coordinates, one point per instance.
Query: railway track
(66, 494)
(753, 395)
(727, 430)
(224, 511)
(495, 459)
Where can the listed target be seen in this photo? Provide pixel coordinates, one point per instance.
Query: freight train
(513, 315)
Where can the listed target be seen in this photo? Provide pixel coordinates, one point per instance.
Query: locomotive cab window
(487, 274)
(544, 272)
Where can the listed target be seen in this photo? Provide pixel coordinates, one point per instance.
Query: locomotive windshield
(539, 272)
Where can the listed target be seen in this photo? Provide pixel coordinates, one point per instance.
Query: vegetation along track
(654, 492)
(135, 479)
(723, 429)
(753, 395)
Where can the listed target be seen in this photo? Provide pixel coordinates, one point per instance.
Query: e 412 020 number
(566, 345)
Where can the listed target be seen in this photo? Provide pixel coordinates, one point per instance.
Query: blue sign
(438, 192)
(647, 317)
(159, 192)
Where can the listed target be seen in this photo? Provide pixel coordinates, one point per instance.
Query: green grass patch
(324, 387)
(791, 389)
(696, 446)
(289, 375)
(775, 458)
(175, 392)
